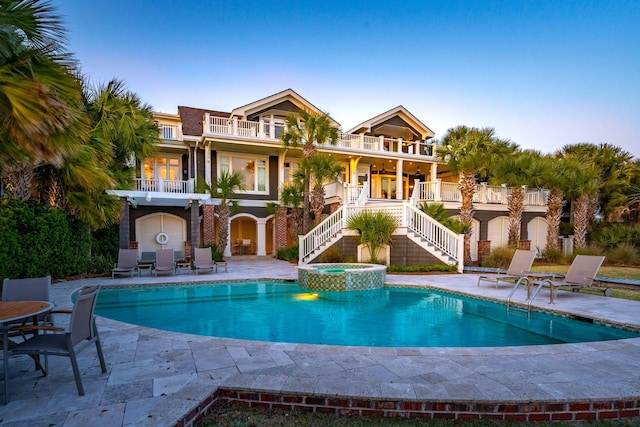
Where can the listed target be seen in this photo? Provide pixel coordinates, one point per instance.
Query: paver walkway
(156, 377)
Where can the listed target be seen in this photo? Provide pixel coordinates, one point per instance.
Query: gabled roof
(287, 101)
(192, 118)
(398, 122)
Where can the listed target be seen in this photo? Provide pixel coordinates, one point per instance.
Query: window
(164, 167)
(252, 169)
(289, 171)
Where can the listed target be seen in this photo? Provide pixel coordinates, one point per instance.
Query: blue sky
(542, 73)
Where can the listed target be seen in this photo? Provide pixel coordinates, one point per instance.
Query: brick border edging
(577, 410)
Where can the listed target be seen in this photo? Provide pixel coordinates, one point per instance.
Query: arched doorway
(243, 235)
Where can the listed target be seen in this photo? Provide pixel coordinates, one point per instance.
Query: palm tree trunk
(516, 207)
(581, 221)
(555, 202)
(467, 190)
(224, 211)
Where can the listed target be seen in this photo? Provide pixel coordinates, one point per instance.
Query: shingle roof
(192, 118)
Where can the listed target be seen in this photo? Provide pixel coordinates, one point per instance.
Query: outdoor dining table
(11, 311)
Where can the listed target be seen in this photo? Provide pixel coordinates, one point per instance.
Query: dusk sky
(542, 73)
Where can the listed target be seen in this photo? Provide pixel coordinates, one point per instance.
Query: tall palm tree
(470, 152)
(581, 186)
(517, 171)
(40, 97)
(224, 188)
(324, 170)
(307, 130)
(291, 196)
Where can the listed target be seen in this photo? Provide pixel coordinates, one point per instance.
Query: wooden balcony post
(206, 123)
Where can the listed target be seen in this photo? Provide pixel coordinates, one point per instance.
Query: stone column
(124, 224)
(261, 224)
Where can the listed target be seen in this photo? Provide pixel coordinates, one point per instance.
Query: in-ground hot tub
(342, 277)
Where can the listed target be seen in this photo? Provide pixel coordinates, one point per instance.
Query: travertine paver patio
(156, 377)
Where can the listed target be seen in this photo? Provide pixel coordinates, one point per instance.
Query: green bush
(566, 228)
(500, 257)
(331, 255)
(288, 253)
(38, 240)
(554, 256)
(216, 254)
(609, 235)
(439, 213)
(623, 254)
(420, 268)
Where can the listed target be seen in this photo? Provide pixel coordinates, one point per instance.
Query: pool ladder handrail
(515, 286)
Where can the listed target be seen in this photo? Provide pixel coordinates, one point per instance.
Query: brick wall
(281, 229)
(208, 225)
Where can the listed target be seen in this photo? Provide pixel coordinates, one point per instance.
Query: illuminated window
(252, 170)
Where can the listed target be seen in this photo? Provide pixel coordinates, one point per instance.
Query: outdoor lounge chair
(519, 266)
(164, 262)
(81, 333)
(581, 274)
(127, 263)
(203, 261)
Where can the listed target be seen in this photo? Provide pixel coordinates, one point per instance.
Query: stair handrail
(364, 194)
(320, 234)
(436, 234)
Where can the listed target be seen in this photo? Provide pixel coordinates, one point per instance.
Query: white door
(161, 231)
(498, 231)
(537, 232)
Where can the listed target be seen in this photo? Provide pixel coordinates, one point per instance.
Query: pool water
(393, 317)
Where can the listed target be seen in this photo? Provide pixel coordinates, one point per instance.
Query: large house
(389, 163)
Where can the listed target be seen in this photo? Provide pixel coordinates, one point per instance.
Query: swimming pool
(390, 317)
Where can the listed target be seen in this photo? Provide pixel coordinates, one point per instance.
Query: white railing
(438, 191)
(270, 131)
(320, 234)
(436, 234)
(170, 132)
(165, 186)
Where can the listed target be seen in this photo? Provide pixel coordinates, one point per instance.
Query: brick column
(195, 224)
(525, 244)
(281, 229)
(484, 248)
(208, 225)
(188, 250)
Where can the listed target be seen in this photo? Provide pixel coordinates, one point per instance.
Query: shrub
(420, 268)
(438, 212)
(100, 264)
(623, 254)
(216, 254)
(331, 255)
(554, 256)
(38, 240)
(288, 253)
(500, 257)
(609, 235)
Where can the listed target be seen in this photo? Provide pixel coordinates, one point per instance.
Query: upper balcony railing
(165, 185)
(170, 132)
(271, 131)
(438, 191)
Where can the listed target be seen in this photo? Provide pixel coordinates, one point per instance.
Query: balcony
(437, 191)
(214, 125)
(165, 186)
(170, 133)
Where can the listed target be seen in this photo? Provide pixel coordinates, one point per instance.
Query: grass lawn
(632, 273)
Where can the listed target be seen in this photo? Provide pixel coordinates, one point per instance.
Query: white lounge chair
(203, 261)
(520, 264)
(127, 263)
(581, 275)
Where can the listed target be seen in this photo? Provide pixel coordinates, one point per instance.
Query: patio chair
(203, 261)
(80, 334)
(520, 264)
(164, 262)
(127, 263)
(581, 275)
(30, 289)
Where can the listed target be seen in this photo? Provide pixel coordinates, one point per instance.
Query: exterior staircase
(420, 228)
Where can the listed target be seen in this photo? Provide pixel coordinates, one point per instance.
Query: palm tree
(291, 196)
(517, 171)
(40, 97)
(581, 186)
(224, 189)
(470, 152)
(324, 170)
(374, 228)
(308, 130)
